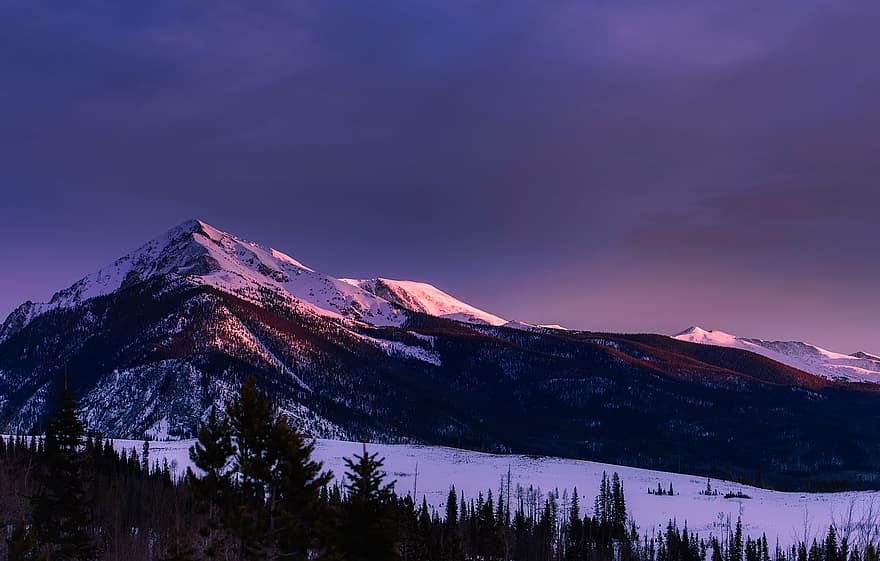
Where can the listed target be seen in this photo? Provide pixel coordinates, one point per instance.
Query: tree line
(260, 495)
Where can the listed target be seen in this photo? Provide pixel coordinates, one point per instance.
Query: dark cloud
(623, 165)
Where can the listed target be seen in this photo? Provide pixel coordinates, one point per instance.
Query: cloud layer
(607, 165)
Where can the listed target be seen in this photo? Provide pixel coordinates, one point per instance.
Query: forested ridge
(71, 496)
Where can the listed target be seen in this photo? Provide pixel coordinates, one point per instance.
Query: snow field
(429, 471)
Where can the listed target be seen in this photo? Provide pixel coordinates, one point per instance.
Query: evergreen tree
(489, 542)
(716, 550)
(212, 454)
(831, 552)
(602, 507)
(451, 519)
(251, 415)
(277, 491)
(451, 541)
(736, 543)
(618, 506)
(765, 549)
(366, 530)
(61, 505)
(574, 540)
(294, 489)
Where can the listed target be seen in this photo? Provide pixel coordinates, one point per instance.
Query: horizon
(619, 167)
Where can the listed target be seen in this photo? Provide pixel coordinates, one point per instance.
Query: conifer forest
(259, 495)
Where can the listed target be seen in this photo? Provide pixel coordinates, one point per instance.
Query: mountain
(427, 299)
(200, 254)
(857, 367)
(154, 340)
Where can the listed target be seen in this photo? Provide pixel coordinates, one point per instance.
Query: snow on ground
(396, 348)
(782, 516)
(858, 367)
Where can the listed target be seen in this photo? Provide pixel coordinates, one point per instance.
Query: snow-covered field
(782, 516)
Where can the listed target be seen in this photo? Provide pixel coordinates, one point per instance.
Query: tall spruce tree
(278, 484)
(602, 507)
(574, 535)
(366, 529)
(451, 519)
(61, 504)
(618, 506)
(451, 541)
(212, 454)
(736, 543)
(293, 490)
(251, 416)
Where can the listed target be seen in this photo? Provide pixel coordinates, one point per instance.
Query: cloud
(474, 144)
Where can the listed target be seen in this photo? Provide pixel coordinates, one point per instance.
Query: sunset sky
(605, 165)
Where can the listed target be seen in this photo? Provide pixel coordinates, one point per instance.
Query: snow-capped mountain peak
(696, 334)
(858, 367)
(198, 253)
(427, 299)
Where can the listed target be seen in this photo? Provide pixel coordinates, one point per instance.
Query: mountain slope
(427, 299)
(858, 367)
(200, 254)
(156, 339)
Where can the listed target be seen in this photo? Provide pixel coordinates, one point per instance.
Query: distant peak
(191, 225)
(195, 226)
(693, 330)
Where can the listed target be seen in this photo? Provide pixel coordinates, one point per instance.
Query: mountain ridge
(856, 367)
(157, 339)
(198, 252)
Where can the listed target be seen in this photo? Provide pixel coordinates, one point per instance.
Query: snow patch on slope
(860, 367)
(427, 299)
(396, 348)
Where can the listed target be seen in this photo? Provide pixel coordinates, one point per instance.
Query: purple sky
(637, 166)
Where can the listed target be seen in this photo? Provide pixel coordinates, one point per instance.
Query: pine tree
(212, 454)
(463, 504)
(765, 549)
(618, 506)
(251, 416)
(602, 503)
(278, 485)
(293, 491)
(489, 542)
(831, 553)
(451, 519)
(716, 550)
(61, 506)
(366, 530)
(736, 544)
(574, 540)
(451, 542)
